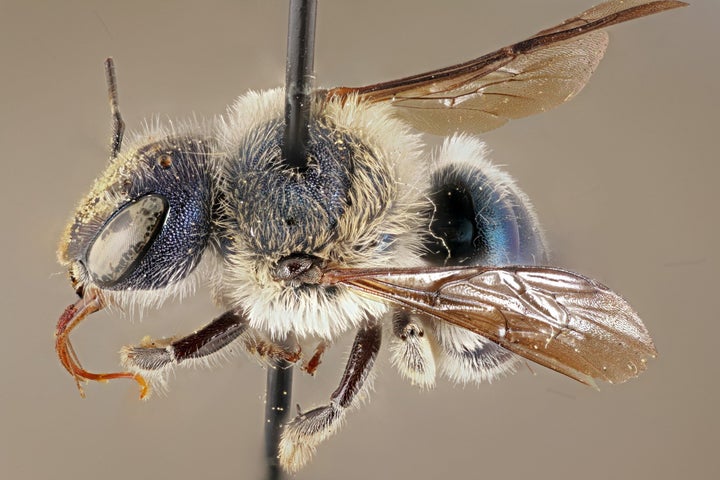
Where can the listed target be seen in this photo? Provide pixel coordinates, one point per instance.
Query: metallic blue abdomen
(481, 218)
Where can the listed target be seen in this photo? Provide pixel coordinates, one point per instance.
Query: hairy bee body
(358, 204)
(372, 197)
(374, 230)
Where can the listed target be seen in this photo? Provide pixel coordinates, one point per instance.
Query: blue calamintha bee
(440, 252)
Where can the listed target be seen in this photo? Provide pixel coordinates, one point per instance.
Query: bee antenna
(118, 124)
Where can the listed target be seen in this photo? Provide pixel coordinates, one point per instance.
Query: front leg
(302, 435)
(154, 359)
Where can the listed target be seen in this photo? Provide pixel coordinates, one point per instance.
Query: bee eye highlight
(125, 238)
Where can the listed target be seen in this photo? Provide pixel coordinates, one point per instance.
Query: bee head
(147, 220)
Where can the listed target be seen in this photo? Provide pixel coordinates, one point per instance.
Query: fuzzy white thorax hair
(278, 310)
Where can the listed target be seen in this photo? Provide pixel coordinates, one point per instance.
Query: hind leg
(302, 434)
(411, 348)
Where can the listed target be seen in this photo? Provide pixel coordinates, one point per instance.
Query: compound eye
(125, 239)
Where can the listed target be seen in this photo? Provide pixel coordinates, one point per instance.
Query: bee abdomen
(478, 215)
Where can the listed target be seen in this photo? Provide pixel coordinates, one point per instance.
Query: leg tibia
(302, 435)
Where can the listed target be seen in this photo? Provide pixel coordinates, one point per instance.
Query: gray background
(624, 178)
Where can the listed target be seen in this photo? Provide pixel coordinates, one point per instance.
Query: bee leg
(468, 357)
(302, 435)
(269, 352)
(411, 349)
(155, 358)
(311, 365)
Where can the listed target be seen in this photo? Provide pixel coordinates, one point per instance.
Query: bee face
(147, 220)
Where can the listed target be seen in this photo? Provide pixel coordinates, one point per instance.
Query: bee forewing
(556, 318)
(528, 84)
(615, 11)
(527, 77)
